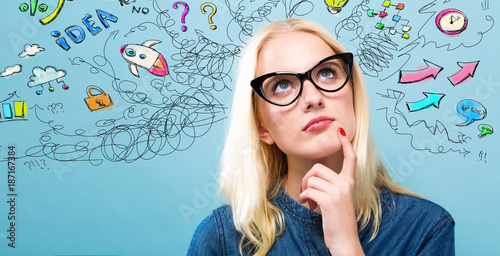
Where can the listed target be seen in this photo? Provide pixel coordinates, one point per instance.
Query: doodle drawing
(335, 6)
(486, 130)
(18, 112)
(214, 10)
(146, 57)
(451, 22)
(470, 111)
(43, 76)
(11, 70)
(99, 101)
(467, 71)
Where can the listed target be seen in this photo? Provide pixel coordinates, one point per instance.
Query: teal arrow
(432, 99)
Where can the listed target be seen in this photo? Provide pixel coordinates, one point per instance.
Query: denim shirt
(410, 226)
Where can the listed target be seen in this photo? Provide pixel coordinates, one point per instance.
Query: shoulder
(418, 221)
(212, 234)
(398, 205)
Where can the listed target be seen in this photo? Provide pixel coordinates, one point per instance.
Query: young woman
(300, 172)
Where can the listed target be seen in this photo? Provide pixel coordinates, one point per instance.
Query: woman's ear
(264, 135)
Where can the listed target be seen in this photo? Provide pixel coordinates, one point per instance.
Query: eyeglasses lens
(284, 88)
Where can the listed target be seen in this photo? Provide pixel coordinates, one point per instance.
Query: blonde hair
(252, 171)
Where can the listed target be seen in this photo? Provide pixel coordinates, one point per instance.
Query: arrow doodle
(468, 70)
(408, 77)
(11, 95)
(432, 99)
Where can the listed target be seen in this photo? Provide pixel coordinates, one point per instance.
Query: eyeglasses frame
(258, 82)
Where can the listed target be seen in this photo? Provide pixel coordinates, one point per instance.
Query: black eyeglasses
(284, 88)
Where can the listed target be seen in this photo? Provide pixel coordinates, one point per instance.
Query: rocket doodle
(146, 57)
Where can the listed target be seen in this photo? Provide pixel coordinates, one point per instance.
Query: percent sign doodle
(214, 10)
(34, 6)
(42, 8)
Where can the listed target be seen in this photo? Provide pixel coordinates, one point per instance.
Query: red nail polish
(300, 189)
(342, 131)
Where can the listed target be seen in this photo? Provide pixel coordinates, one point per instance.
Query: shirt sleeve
(206, 238)
(441, 240)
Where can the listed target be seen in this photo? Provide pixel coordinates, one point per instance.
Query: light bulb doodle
(335, 6)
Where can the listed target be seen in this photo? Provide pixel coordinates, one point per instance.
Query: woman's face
(308, 127)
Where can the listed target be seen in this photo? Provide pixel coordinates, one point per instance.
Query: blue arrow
(432, 99)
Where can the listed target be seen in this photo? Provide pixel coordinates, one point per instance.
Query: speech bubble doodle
(470, 111)
(486, 130)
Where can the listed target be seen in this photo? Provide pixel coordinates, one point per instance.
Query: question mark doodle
(214, 10)
(43, 160)
(38, 164)
(183, 18)
(29, 164)
(57, 104)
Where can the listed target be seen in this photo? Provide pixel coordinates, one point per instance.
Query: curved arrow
(432, 99)
(408, 77)
(468, 70)
(12, 94)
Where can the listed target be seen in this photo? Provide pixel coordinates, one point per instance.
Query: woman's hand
(334, 194)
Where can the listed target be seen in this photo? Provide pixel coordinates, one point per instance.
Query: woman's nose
(311, 96)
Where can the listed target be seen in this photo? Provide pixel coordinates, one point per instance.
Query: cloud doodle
(47, 75)
(31, 50)
(11, 70)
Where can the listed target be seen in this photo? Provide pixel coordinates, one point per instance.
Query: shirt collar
(294, 209)
(303, 214)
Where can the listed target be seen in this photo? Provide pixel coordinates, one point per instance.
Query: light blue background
(152, 206)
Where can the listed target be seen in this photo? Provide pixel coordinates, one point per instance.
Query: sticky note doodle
(470, 111)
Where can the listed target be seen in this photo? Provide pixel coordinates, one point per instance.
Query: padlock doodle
(99, 101)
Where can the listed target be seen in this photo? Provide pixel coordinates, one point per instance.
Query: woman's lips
(317, 123)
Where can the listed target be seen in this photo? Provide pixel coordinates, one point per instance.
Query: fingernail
(342, 131)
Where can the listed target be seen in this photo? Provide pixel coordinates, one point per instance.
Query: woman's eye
(326, 73)
(281, 86)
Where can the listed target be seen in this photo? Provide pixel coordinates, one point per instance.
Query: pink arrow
(408, 77)
(468, 70)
